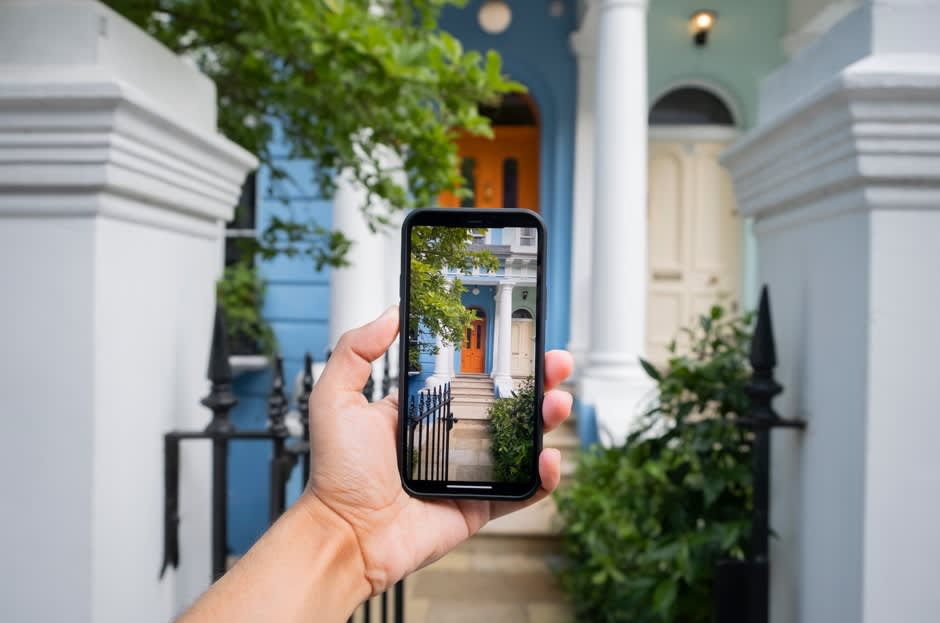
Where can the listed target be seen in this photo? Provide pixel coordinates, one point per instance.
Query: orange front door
(474, 347)
(502, 172)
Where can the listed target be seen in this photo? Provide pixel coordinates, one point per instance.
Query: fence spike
(368, 390)
(386, 378)
(277, 401)
(763, 349)
(220, 399)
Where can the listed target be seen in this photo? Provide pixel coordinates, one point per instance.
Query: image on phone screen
(473, 302)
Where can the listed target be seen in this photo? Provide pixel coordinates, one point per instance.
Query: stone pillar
(842, 177)
(114, 186)
(502, 360)
(584, 45)
(613, 382)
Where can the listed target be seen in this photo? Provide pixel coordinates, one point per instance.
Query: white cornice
(108, 138)
(868, 139)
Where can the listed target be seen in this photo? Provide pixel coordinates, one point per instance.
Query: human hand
(354, 467)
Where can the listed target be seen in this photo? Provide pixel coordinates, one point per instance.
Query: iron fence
(430, 421)
(287, 452)
(742, 587)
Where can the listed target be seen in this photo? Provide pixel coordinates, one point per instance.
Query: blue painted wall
(536, 52)
(297, 306)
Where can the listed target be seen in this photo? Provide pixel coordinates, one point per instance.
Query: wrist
(334, 549)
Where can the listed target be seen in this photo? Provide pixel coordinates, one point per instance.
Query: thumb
(350, 363)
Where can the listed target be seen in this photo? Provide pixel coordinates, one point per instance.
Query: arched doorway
(473, 349)
(694, 231)
(522, 343)
(502, 172)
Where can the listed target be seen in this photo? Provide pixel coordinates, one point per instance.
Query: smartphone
(472, 353)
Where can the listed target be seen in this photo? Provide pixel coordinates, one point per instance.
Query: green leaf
(665, 596)
(650, 370)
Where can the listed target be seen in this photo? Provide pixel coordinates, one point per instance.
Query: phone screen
(472, 350)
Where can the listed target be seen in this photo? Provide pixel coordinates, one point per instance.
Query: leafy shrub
(512, 431)
(240, 293)
(644, 524)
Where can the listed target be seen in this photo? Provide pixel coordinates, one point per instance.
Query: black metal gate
(428, 437)
(287, 453)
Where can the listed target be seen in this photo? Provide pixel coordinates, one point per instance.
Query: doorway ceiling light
(495, 16)
(700, 25)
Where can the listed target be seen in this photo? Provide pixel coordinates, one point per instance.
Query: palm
(355, 470)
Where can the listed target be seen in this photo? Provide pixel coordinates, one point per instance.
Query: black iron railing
(429, 423)
(743, 587)
(287, 453)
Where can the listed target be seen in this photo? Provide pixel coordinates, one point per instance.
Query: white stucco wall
(114, 185)
(841, 176)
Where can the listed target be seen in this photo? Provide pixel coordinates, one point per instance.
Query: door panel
(694, 238)
(522, 344)
(511, 155)
(474, 348)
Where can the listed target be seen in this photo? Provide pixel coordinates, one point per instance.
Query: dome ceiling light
(494, 17)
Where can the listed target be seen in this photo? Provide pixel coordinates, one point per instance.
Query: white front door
(522, 343)
(694, 238)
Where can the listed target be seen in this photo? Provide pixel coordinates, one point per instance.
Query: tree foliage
(371, 87)
(644, 524)
(436, 308)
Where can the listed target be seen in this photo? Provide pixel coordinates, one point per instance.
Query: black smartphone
(472, 353)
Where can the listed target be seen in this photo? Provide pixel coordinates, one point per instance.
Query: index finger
(558, 366)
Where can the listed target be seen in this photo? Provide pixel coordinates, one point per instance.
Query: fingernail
(391, 311)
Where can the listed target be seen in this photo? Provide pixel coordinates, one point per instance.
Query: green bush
(512, 431)
(645, 523)
(240, 293)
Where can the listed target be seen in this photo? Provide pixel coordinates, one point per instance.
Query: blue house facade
(677, 253)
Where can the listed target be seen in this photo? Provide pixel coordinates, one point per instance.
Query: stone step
(470, 411)
(474, 398)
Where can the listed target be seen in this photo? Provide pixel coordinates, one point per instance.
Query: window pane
(468, 171)
(690, 106)
(510, 183)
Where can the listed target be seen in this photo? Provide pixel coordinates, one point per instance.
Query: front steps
(473, 394)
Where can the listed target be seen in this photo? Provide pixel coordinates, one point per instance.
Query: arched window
(512, 109)
(522, 313)
(690, 106)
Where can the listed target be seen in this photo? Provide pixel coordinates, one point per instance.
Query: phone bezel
(473, 217)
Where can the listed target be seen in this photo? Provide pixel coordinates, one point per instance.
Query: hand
(354, 469)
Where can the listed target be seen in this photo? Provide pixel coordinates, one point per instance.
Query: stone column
(613, 382)
(584, 45)
(114, 187)
(502, 359)
(847, 239)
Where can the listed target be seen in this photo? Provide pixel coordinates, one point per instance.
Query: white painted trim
(870, 127)
(693, 133)
(697, 82)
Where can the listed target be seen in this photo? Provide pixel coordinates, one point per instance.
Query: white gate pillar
(114, 186)
(613, 382)
(842, 177)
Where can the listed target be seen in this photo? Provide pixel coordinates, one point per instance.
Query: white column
(443, 365)
(614, 383)
(848, 247)
(496, 336)
(584, 45)
(114, 185)
(502, 359)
